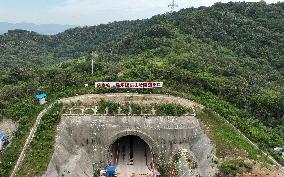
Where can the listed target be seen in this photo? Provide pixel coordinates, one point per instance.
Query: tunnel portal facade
(165, 136)
(86, 143)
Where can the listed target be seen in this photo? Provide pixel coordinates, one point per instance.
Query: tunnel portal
(88, 143)
(131, 155)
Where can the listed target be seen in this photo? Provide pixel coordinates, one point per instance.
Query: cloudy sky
(89, 12)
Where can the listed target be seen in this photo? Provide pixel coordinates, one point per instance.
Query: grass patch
(66, 111)
(136, 109)
(89, 111)
(102, 105)
(25, 111)
(227, 141)
(233, 167)
(172, 109)
(41, 148)
(163, 171)
(111, 106)
(76, 111)
(229, 145)
(124, 109)
(147, 109)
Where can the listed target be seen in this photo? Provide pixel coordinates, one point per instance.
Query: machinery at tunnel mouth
(131, 155)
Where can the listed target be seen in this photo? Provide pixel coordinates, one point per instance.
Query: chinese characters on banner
(129, 84)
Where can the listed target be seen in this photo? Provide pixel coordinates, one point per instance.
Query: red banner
(129, 84)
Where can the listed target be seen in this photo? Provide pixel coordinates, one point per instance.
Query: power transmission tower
(173, 5)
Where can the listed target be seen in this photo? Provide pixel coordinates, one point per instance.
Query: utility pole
(92, 65)
(94, 56)
(173, 5)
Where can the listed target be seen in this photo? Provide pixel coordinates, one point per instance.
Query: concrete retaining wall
(89, 138)
(83, 141)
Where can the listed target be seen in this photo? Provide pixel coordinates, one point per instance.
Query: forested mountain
(248, 29)
(240, 44)
(229, 57)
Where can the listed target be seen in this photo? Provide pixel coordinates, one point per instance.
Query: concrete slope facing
(137, 145)
(87, 143)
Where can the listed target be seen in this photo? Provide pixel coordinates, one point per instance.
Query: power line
(173, 5)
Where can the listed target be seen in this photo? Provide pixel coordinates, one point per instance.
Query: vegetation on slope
(25, 112)
(41, 148)
(169, 109)
(237, 50)
(66, 81)
(228, 57)
(248, 29)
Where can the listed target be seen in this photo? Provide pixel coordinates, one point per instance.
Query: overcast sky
(89, 12)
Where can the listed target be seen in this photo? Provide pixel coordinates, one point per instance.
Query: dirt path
(8, 126)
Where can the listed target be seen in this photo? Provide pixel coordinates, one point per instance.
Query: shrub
(125, 109)
(102, 105)
(146, 109)
(233, 167)
(136, 109)
(89, 111)
(171, 109)
(112, 108)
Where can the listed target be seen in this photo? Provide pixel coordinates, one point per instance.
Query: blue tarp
(2, 134)
(6, 142)
(111, 170)
(41, 96)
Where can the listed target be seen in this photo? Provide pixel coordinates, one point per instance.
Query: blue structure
(111, 171)
(2, 134)
(41, 98)
(6, 142)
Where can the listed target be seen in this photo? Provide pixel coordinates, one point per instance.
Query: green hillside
(248, 29)
(228, 57)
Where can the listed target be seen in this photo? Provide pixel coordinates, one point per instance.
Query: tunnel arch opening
(128, 150)
(150, 142)
(132, 152)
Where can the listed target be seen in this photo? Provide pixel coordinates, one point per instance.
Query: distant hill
(42, 29)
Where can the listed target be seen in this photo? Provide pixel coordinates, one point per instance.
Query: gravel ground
(8, 126)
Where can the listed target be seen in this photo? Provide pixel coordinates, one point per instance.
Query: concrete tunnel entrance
(132, 156)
